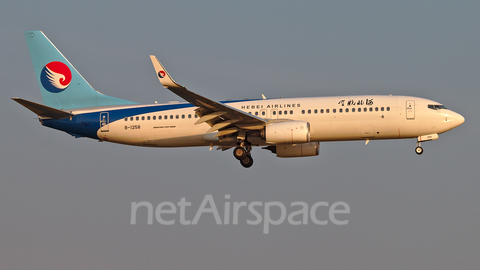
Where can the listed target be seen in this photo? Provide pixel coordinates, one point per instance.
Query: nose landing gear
(424, 138)
(419, 149)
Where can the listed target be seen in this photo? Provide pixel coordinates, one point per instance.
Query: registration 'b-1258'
(288, 127)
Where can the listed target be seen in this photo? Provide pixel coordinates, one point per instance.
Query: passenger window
(148, 117)
(126, 118)
(309, 111)
(176, 116)
(371, 109)
(364, 109)
(321, 111)
(131, 118)
(189, 116)
(183, 116)
(316, 111)
(274, 112)
(291, 112)
(154, 117)
(346, 110)
(171, 116)
(359, 109)
(303, 111)
(285, 112)
(143, 118)
(256, 113)
(279, 112)
(137, 118)
(388, 109)
(263, 113)
(353, 109)
(382, 109)
(328, 111)
(196, 116)
(334, 110)
(165, 117)
(376, 109)
(340, 110)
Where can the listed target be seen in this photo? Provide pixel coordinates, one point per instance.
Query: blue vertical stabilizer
(61, 84)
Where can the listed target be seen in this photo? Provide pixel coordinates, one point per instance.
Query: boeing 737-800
(288, 127)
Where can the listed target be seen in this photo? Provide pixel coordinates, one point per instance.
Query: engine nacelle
(298, 150)
(287, 132)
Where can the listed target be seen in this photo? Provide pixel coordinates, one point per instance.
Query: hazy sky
(65, 202)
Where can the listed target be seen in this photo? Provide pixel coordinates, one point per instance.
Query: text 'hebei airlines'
(288, 127)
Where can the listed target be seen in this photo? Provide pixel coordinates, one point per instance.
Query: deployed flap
(42, 110)
(208, 117)
(203, 102)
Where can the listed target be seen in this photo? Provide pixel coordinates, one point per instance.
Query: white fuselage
(331, 119)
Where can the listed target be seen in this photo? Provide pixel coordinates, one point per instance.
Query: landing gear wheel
(419, 150)
(247, 162)
(239, 153)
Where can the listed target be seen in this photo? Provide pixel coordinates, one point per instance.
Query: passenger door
(104, 121)
(410, 106)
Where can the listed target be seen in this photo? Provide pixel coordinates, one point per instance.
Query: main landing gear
(242, 151)
(243, 154)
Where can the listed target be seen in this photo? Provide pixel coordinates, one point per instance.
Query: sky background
(65, 202)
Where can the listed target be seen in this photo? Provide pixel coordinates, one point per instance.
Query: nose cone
(457, 119)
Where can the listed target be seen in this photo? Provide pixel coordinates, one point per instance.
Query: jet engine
(287, 132)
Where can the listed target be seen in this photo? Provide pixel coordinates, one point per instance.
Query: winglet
(162, 74)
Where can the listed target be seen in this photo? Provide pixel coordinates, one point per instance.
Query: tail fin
(61, 84)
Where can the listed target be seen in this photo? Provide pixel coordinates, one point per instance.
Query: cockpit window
(436, 107)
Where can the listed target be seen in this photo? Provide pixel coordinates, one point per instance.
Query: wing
(219, 116)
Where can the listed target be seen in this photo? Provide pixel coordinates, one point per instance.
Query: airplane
(288, 127)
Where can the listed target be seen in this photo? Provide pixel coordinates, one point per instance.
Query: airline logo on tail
(56, 77)
(161, 74)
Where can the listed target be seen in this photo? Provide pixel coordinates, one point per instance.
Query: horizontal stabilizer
(42, 110)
